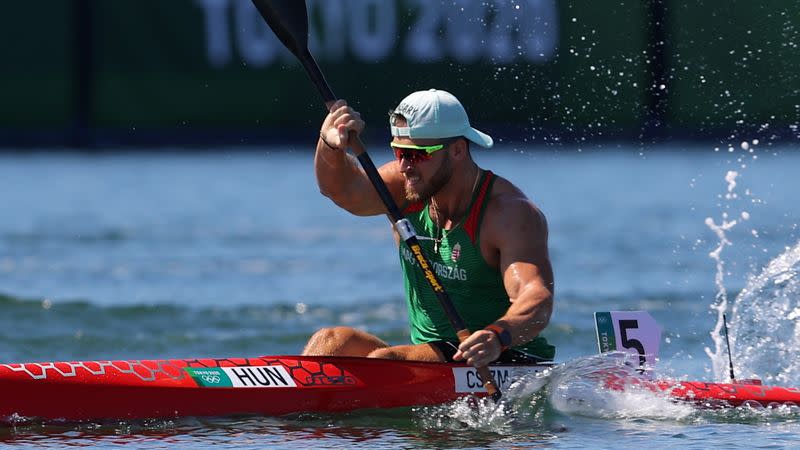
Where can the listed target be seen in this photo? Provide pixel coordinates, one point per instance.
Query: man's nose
(405, 164)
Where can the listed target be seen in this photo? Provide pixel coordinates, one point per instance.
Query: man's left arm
(520, 238)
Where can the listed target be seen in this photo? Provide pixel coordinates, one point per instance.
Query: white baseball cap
(435, 114)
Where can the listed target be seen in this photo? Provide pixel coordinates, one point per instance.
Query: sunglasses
(416, 153)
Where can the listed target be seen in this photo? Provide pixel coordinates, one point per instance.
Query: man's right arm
(339, 174)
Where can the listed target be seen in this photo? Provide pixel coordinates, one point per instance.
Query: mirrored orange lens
(411, 155)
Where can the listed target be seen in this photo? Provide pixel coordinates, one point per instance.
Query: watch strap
(502, 334)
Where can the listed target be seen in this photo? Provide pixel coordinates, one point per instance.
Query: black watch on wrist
(502, 334)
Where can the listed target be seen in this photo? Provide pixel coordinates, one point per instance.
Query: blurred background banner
(90, 73)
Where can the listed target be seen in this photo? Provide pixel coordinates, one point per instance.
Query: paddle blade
(289, 20)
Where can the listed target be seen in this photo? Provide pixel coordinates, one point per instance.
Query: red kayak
(267, 385)
(709, 395)
(277, 385)
(721, 395)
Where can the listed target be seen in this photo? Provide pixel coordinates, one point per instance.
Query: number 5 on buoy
(631, 331)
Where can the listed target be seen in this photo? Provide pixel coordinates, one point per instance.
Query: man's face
(426, 171)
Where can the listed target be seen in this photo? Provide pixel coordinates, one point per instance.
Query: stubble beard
(438, 180)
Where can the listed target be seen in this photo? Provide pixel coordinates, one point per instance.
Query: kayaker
(486, 241)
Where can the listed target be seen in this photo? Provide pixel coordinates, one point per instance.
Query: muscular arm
(531, 302)
(517, 231)
(340, 176)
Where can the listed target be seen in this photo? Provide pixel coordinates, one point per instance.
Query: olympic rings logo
(211, 379)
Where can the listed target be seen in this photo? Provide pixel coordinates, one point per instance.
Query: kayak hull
(722, 395)
(269, 385)
(280, 385)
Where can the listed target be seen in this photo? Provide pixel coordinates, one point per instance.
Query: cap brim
(479, 137)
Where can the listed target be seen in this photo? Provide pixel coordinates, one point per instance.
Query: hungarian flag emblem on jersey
(456, 253)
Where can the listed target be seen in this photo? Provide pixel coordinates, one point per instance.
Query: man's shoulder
(507, 197)
(510, 209)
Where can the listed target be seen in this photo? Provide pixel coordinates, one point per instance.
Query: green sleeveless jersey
(476, 289)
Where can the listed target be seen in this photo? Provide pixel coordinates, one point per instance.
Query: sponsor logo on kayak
(212, 378)
(605, 332)
(469, 381)
(327, 380)
(209, 377)
(242, 377)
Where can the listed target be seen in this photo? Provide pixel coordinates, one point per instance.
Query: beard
(439, 179)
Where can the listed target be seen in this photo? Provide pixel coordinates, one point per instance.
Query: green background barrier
(36, 65)
(540, 70)
(735, 62)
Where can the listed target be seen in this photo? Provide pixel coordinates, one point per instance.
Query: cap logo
(406, 110)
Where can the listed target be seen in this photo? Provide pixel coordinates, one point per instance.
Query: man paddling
(486, 241)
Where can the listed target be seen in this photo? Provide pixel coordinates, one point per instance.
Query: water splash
(720, 305)
(522, 406)
(581, 387)
(752, 414)
(765, 325)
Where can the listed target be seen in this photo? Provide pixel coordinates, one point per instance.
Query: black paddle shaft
(289, 20)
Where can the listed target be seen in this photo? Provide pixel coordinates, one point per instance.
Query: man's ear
(459, 149)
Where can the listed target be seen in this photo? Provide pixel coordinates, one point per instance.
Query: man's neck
(449, 205)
